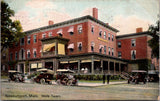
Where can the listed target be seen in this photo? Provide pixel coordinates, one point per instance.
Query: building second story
(134, 46)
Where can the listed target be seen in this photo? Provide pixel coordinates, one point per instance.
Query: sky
(124, 15)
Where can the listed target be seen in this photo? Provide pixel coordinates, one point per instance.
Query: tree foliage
(154, 42)
(11, 31)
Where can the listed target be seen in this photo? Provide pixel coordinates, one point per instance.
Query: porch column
(18, 68)
(119, 68)
(102, 66)
(24, 70)
(114, 67)
(29, 68)
(108, 67)
(79, 65)
(92, 64)
(56, 48)
(43, 64)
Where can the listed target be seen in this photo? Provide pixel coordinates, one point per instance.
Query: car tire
(42, 81)
(69, 83)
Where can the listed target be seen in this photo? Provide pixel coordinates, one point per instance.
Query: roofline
(73, 20)
(133, 34)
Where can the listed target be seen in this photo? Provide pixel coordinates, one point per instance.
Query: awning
(101, 46)
(47, 47)
(60, 31)
(70, 46)
(74, 61)
(34, 65)
(71, 29)
(84, 61)
(62, 62)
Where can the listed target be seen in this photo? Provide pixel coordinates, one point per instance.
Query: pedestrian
(108, 77)
(104, 78)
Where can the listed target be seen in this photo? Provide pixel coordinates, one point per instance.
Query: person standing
(104, 78)
(108, 77)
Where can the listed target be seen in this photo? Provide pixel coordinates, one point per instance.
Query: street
(121, 91)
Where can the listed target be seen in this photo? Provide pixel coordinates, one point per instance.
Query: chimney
(138, 30)
(50, 22)
(95, 13)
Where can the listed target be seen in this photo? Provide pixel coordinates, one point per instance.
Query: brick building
(134, 47)
(85, 45)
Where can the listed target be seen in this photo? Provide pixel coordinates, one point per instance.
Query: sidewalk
(100, 84)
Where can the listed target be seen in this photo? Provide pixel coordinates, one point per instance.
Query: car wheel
(58, 82)
(42, 81)
(69, 83)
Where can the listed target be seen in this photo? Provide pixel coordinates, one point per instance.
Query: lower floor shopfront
(86, 64)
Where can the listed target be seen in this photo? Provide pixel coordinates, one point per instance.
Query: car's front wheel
(42, 81)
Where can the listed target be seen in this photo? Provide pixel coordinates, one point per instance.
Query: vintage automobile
(15, 76)
(65, 77)
(45, 76)
(137, 76)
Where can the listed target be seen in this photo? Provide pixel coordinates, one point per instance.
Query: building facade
(85, 45)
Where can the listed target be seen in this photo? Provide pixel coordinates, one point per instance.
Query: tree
(154, 42)
(11, 31)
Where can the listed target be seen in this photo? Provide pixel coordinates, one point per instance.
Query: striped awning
(47, 47)
(70, 46)
(71, 29)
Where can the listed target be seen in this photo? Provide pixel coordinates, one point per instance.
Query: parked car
(15, 76)
(138, 76)
(45, 76)
(65, 77)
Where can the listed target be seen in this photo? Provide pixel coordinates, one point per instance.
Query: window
(105, 49)
(92, 29)
(71, 47)
(112, 37)
(21, 54)
(80, 29)
(100, 48)
(109, 36)
(119, 54)
(92, 46)
(104, 35)
(109, 50)
(112, 52)
(100, 33)
(133, 54)
(35, 38)
(29, 40)
(11, 56)
(16, 55)
(34, 53)
(60, 32)
(119, 44)
(133, 42)
(44, 35)
(80, 46)
(50, 34)
(71, 30)
(22, 41)
(28, 53)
